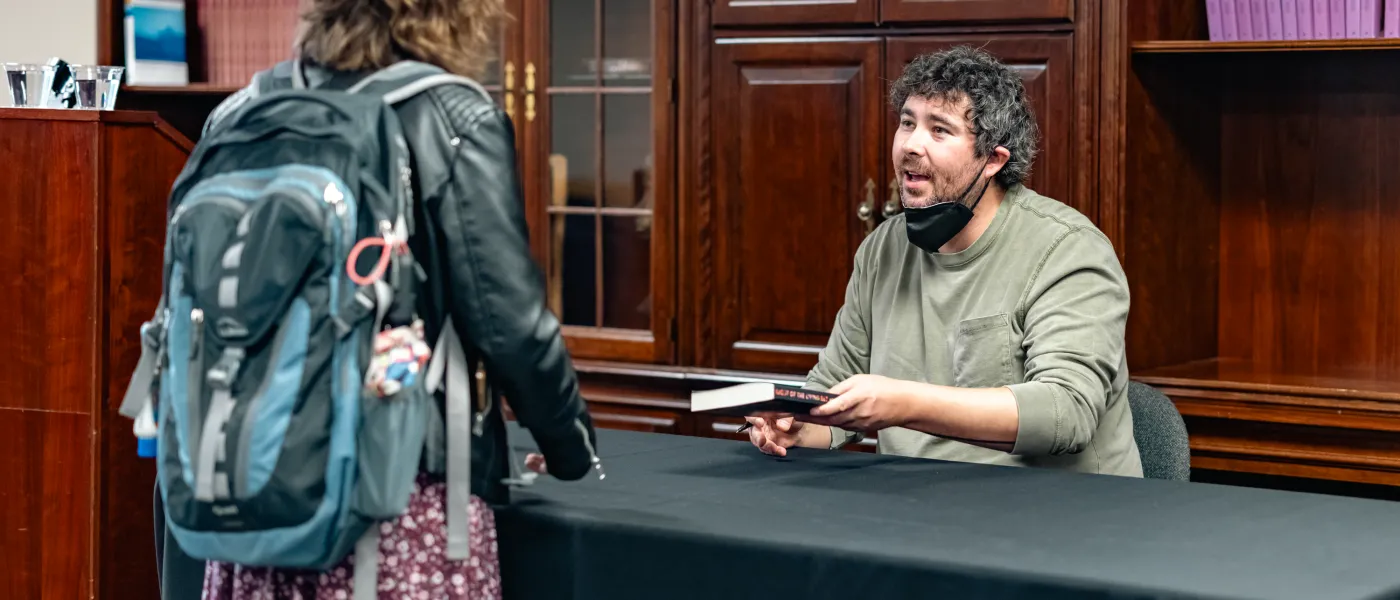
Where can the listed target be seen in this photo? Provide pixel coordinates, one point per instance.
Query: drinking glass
(27, 83)
(97, 86)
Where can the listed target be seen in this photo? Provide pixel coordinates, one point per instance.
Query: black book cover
(753, 398)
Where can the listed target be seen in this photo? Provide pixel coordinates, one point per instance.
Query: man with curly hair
(986, 322)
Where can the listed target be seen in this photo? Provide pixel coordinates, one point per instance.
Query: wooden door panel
(1045, 63)
(793, 12)
(975, 11)
(798, 148)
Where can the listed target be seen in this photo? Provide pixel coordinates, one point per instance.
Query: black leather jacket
(477, 255)
(469, 190)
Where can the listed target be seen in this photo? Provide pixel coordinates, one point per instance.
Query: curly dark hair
(1000, 114)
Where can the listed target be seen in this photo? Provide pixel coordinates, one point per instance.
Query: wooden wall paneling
(798, 148)
(898, 11)
(46, 504)
(1171, 235)
(49, 239)
(695, 265)
(1085, 173)
(1046, 65)
(139, 171)
(793, 12)
(1310, 265)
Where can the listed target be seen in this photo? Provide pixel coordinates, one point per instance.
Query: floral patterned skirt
(412, 564)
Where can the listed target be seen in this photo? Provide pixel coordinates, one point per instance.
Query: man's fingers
(843, 387)
(835, 405)
(783, 424)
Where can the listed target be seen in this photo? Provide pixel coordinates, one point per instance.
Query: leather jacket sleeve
(495, 290)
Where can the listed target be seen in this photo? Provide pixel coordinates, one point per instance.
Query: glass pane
(573, 282)
(627, 272)
(627, 150)
(491, 73)
(627, 39)
(573, 148)
(571, 27)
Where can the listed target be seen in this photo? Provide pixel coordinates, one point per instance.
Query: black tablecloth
(684, 517)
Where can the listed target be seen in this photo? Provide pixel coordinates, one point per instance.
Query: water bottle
(146, 432)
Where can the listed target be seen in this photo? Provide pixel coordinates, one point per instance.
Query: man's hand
(774, 434)
(867, 403)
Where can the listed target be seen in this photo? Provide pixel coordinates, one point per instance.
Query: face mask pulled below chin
(931, 227)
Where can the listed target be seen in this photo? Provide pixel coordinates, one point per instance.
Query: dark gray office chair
(1160, 434)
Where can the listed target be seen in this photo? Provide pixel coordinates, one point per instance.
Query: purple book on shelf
(1228, 26)
(1290, 19)
(1305, 19)
(1244, 21)
(1322, 26)
(1259, 17)
(1370, 18)
(1392, 19)
(1217, 30)
(1338, 19)
(1353, 19)
(1273, 15)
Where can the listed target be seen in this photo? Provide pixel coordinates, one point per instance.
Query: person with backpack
(348, 295)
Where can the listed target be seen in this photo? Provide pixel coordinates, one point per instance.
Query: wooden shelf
(193, 88)
(1209, 47)
(1242, 376)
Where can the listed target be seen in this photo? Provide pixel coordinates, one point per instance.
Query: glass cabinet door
(500, 76)
(598, 102)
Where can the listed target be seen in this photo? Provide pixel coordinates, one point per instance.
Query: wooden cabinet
(969, 11)
(1046, 65)
(793, 12)
(799, 154)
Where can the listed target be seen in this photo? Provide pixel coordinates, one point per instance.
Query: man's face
(933, 151)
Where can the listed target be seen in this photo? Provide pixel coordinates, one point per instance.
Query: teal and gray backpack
(285, 257)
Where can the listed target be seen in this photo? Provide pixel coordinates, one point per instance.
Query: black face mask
(932, 226)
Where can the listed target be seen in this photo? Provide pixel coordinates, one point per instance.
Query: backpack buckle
(221, 375)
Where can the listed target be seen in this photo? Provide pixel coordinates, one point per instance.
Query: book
(1338, 19)
(1391, 19)
(155, 43)
(1244, 21)
(1273, 14)
(1370, 18)
(1259, 10)
(1321, 25)
(1215, 27)
(1305, 19)
(753, 398)
(1290, 19)
(1227, 21)
(1353, 19)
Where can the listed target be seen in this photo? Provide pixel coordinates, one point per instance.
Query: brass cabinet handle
(510, 89)
(892, 205)
(866, 211)
(529, 91)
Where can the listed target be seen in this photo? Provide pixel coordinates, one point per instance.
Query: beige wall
(35, 30)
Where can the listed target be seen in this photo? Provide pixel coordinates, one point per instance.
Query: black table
(684, 517)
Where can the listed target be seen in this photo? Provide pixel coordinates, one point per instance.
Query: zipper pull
(196, 333)
(482, 402)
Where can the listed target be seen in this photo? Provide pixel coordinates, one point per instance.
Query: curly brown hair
(365, 35)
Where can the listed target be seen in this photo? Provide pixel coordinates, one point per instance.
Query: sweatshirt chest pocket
(982, 352)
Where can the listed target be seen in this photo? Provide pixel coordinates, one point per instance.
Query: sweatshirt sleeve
(847, 351)
(1075, 313)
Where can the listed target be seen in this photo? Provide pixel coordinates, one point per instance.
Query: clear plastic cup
(97, 86)
(27, 83)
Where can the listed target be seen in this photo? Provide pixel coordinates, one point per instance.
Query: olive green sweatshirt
(1037, 304)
